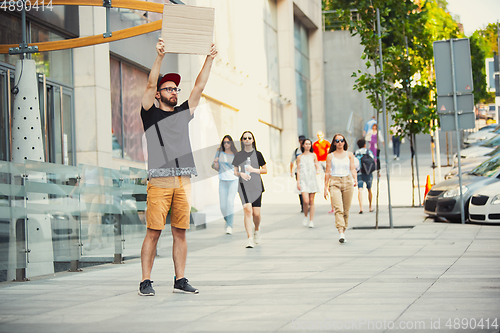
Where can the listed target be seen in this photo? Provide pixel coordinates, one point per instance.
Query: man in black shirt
(170, 166)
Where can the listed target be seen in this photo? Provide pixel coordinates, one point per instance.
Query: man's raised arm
(201, 80)
(148, 98)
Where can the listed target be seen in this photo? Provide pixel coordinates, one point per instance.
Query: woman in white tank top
(340, 181)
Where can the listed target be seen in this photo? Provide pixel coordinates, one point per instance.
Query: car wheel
(111, 219)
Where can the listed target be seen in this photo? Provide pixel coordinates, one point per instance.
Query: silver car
(442, 200)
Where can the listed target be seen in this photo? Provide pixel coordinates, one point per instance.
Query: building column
(286, 56)
(92, 93)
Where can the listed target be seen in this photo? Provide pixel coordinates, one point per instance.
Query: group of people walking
(171, 165)
(240, 172)
(339, 182)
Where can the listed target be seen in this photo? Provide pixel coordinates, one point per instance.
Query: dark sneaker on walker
(183, 286)
(146, 289)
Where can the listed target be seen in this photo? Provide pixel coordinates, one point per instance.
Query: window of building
(55, 90)
(302, 78)
(271, 42)
(127, 89)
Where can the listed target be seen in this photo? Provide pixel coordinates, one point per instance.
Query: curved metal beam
(97, 39)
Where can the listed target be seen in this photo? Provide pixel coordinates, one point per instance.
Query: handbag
(215, 164)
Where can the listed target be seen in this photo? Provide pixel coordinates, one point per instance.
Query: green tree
(488, 39)
(478, 70)
(485, 45)
(408, 30)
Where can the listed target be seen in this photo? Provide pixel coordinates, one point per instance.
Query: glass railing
(57, 217)
(13, 246)
(133, 226)
(53, 216)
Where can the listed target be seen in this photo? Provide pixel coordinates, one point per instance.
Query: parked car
(480, 150)
(482, 135)
(482, 113)
(470, 163)
(442, 199)
(485, 204)
(492, 111)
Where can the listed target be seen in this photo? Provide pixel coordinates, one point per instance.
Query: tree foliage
(478, 70)
(408, 30)
(484, 43)
(488, 39)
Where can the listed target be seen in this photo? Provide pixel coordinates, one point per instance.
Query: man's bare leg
(360, 199)
(148, 252)
(370, 196)
(179, 251)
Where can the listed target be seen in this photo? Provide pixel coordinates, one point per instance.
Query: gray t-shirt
(169, 147)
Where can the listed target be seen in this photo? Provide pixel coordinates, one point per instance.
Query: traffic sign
(465, 103)
(465, 121)
(463, 68)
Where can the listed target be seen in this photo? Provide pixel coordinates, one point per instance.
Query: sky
(475, 14)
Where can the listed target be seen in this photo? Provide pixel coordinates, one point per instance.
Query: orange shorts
(168, 193)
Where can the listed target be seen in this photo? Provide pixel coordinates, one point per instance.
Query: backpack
(367, 164)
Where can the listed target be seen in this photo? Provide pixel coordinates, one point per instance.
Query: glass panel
(57, 65)
(296, 34)
(54, 124)
(302, 78)
(10, 33)
(134, 83)
(12, 220)
(4, 118)
(116, 108)
(100, 205)
(304, 41)
(53, 215)
(68, 130)
(303, 107)
(133, 221)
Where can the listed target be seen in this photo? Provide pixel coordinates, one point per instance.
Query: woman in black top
(249, 165)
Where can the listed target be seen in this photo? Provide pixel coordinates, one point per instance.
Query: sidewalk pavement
(419, 276)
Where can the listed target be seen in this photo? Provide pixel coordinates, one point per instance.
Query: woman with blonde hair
(340, 180)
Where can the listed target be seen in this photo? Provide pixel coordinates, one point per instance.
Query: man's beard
(168, 102)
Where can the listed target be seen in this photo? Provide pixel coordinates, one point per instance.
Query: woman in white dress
(307, 184)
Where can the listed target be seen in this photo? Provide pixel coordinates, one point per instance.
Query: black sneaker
(182, 286)
(146, 289)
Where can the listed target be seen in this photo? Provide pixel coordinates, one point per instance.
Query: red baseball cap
(174, 77)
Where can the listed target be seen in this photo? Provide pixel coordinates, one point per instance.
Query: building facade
(267, 78)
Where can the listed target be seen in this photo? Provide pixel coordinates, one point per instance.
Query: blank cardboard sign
(187, 29)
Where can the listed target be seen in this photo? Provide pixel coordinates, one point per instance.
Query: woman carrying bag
(228, 182)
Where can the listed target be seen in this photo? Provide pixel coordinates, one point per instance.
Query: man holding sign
(170, 166)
